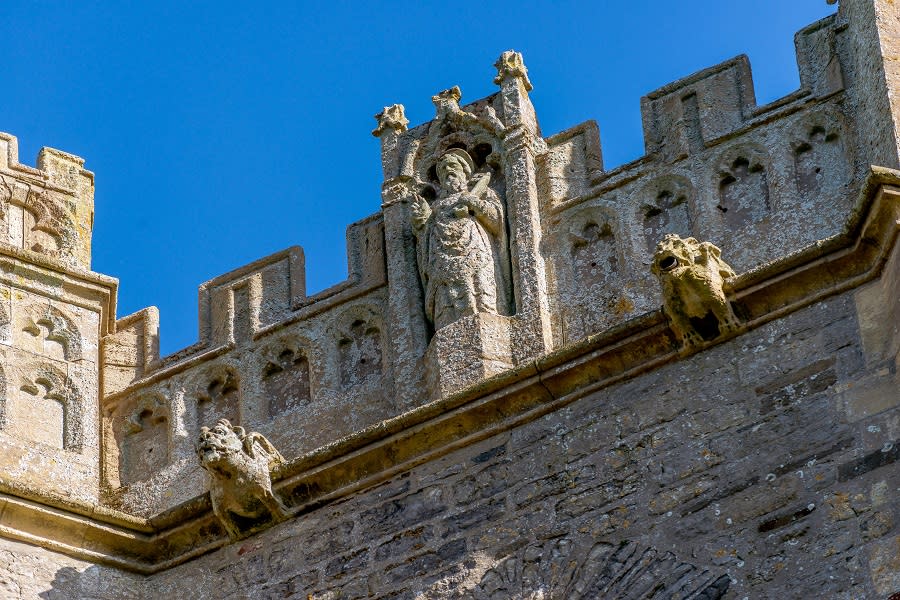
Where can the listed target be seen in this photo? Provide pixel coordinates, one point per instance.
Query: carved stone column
(406, 317)
(522, 141)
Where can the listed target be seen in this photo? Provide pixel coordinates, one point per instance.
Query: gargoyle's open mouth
(207, 451)
(667, 263)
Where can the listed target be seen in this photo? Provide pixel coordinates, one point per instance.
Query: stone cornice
(521, 395)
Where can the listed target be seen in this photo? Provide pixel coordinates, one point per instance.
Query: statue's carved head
(220, 443)
(673, 252)
(455, 168)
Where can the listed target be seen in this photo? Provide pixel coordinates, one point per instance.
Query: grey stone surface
(736, 462)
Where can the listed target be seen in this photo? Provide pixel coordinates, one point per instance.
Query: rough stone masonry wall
(768, 459)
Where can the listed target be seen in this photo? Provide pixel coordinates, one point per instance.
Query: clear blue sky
(221, 132)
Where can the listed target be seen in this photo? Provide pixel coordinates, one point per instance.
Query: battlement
(51, 208)
(507, 276)
(244, 305)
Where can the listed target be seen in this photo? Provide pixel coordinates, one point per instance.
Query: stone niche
(458, 214)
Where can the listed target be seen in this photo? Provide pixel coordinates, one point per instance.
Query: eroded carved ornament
(240, 483)
(511, 64)
(393, 118)
(692, 275)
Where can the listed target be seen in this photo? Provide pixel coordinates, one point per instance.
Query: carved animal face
(673, 252)
(218, 444)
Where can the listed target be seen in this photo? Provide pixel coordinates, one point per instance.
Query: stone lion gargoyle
(240, 483)
(692, 275)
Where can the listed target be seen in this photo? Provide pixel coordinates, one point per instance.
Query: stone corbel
(396, 190)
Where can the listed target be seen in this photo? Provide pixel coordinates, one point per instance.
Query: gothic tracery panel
(665, 207)
(743, 189)
(219, 397)
(286, 380)
(360, 350)
(820, 160)
(144, 439)
(46, 408)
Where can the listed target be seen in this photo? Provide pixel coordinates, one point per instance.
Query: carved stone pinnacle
(392, 117)
(447, 101)
(511, 64)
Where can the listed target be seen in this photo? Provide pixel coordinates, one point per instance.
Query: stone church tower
(542, 378)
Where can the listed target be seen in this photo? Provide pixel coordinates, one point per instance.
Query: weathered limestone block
(468, 351)
(240, 484)
(692, 275)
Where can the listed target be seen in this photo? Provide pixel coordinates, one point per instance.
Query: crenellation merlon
(573, 159)
(233, 306)
(684, 116)
(817, 60)
(59, 170)
(9, 157)
(131, 350)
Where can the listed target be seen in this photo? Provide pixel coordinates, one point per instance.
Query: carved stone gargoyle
(240, 483)
(692, 275)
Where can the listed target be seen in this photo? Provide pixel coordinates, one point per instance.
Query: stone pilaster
(522, 142)
(406, 317)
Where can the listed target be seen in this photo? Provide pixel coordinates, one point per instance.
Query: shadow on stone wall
(93, 583)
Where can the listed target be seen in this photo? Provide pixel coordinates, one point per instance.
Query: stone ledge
(512, 398)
